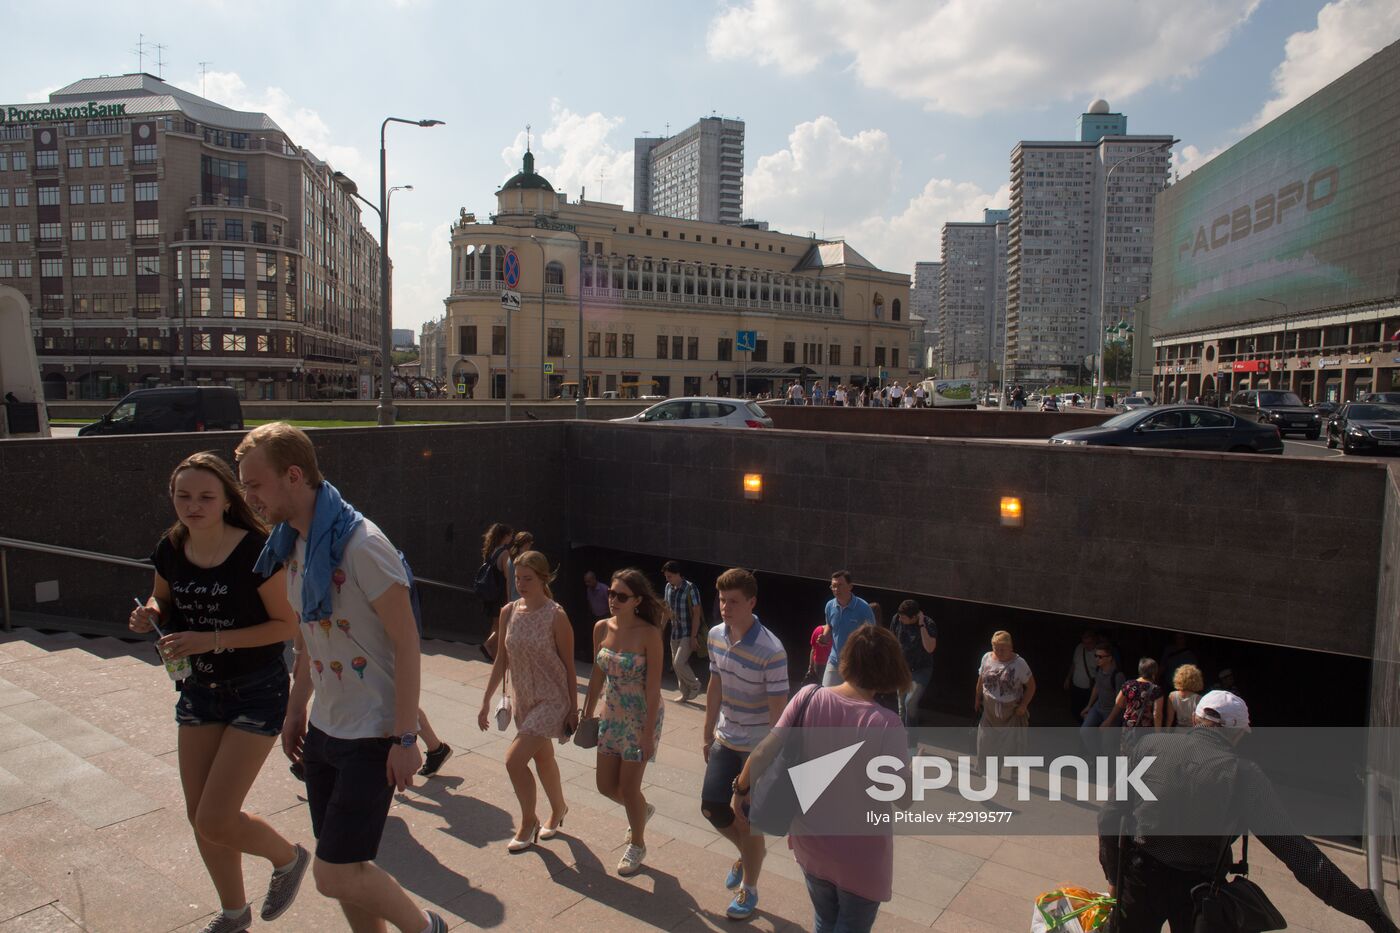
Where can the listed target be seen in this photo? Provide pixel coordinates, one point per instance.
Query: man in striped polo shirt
(748, 690)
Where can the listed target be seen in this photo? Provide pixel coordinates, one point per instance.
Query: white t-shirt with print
(1004, 681)
(352, 658)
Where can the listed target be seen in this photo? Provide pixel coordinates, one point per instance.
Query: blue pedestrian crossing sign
(746, 340)
(549, 369)
(512, 269)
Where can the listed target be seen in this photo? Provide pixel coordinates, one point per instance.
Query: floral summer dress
(536, 674)
(624, 713)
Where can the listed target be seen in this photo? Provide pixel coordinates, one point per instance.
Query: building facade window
(96, 157)
(51, 268)
(148, 228)
(119, 229)
(610, 346)
(99, 229)
(119, 265)
(77, 194)
(97, 194)
(662, 346)
(77, 230)
(21, 233)
(555, 339)
(692, 348)
(22, 196)
(118, 191)
(116, 155)
(143, 154)
(48, 195)
(235, 302)
(498, 340)
(235, 343)
(834, 354)
(233, 261)
(629, 346)
(678, 347)
(725, 349)
(46, 158)
(760, 351)
(147, 191)
(202, 341)
(594, 339)
(466, 340)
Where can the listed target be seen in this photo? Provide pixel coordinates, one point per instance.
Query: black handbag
(775, 803)
(1237, 905)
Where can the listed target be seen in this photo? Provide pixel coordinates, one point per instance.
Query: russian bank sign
(59, 114)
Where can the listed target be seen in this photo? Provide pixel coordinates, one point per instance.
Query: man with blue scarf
(357, 652)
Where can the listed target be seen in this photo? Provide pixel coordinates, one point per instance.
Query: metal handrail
(143, 564)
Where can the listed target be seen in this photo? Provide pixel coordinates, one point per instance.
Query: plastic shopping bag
(1071, 909)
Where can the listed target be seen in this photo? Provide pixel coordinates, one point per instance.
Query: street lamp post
(1287, 380)
(1103, 280)
(386, 363)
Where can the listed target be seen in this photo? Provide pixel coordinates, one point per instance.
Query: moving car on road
(700, 412)
(1360, 427)
(1283, 410)
(1134, 402)
(1381, 398)
(1178, 427)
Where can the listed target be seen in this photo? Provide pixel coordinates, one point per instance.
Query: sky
(873, 120)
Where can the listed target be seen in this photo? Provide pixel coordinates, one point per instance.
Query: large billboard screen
(1304, 211)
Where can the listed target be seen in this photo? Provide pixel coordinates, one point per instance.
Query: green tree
(1118, 361)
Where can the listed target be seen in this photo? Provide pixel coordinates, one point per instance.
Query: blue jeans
(909, 700)
(839, 911)
(1091, 735)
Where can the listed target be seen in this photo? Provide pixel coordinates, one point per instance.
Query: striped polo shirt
(750, 670)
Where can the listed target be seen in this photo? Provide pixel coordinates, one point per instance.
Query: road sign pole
(508, 317)
(512, 277)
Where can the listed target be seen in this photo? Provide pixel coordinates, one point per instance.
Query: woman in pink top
(847, 876)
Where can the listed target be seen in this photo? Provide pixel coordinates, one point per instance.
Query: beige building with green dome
(664, 304)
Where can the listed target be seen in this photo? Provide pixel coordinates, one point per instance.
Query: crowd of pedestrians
(871, 395)
(276, 554)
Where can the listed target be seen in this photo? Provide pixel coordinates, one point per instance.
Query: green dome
(527, 178)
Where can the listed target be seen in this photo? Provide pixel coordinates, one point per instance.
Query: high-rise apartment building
(923, 300)
(697, 174)
(972, 296)
(1062, 193)
(162, 238)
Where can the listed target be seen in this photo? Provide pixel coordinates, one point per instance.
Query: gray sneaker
(283, 887)
(435, 923)
(223, 924)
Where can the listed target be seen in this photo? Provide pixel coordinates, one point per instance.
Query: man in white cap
(1200, 781)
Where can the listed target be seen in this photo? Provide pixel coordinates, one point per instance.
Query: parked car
(1381, 398)
(1326, 410)
(704, 412)
(171, 409)
(1283, 410)
(1179, 427)
(1133, 402)
(1361, 427)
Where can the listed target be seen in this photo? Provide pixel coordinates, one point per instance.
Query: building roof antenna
(140, 51)
(160, 61)
(204, 78)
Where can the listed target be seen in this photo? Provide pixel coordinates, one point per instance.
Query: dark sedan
(1179, 427)
(1360, 427)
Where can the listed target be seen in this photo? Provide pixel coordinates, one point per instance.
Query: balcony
(217, 236)
(236, 203)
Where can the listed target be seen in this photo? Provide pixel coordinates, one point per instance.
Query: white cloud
(1348, 32)
(1189, 158)
(422, 270)
(573, 152)
(970, 56)
(841, 185)
(840, 178)
(304, 126)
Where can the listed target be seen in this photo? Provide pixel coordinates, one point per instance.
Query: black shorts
(348, 793)
(255, 702)
(723, 767)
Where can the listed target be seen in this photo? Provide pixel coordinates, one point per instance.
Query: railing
(224, 200)
(8, 544)
(195, 236)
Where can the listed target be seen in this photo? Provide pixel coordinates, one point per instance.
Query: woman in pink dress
(537, 651)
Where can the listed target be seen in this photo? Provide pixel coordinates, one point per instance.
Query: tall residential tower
(972, 296)
(697, 174)
(1062, 192)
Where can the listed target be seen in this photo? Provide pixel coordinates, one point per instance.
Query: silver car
(696, 412)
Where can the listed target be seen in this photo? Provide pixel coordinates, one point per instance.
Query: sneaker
(283, 887)
(645, 820)
(736, 875)
(435, 923)
(434, 759)
(631, 860)
(744, 905)
(298, 771)
(222, 923)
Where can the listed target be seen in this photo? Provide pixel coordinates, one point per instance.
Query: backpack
(489, 583)
(413, 599)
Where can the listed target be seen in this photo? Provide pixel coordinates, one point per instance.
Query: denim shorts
(254, 702)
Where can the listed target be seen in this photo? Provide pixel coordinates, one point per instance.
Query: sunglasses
(620, 597)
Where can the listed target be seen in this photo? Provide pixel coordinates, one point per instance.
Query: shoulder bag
(1237, 905)
(504, 713)
(775, 803)
(586, 735)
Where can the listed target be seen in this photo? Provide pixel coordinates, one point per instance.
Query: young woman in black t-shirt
(231, 624)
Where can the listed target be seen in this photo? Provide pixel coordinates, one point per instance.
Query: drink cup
(177, 668)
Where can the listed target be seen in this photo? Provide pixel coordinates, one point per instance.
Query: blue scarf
(332, 524)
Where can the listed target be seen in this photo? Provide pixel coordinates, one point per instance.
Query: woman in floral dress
(537, 649)
(627, 675)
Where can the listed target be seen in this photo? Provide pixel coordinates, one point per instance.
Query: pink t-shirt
(863, 865)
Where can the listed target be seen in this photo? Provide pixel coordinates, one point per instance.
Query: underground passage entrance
(1282, 685)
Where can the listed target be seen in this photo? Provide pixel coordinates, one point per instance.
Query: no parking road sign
(512, 269)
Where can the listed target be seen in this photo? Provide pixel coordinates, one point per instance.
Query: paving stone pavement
(93, 834)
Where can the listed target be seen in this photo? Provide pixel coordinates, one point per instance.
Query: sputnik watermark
(1113, 777)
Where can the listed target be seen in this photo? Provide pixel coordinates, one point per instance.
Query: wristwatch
(408, 739)
(741, 791)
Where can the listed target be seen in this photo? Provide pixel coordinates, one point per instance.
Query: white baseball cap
(1227, 709)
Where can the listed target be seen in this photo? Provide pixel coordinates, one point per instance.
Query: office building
(667, 304)
(923, 298)
(1061, 193)
(1275, 262)
(972, 297)
(697, 174)
(162, 238)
